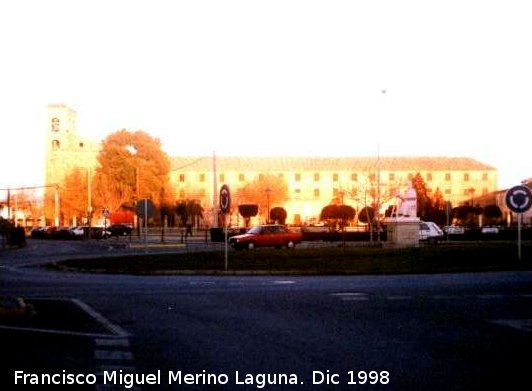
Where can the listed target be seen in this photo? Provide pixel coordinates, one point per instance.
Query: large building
(313, 183)
(308, 183)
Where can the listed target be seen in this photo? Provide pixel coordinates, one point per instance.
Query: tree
(247, 211)
(132, 166)
(366, 214)
(424, 202)
(492, 213)
(189, 211)
(337, 215)
(264, 191)
(74, 198)
(278, 215)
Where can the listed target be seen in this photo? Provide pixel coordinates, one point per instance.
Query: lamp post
(268, 191)
(133, 151)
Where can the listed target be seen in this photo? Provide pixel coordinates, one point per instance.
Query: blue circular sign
(519, 199)
(225, 199)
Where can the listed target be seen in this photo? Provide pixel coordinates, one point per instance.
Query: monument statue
(407, 206)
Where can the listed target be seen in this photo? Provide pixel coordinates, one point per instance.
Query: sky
(267, 78)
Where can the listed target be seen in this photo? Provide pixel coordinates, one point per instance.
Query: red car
(270, 235)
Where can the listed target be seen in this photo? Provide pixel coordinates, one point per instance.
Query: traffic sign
(519, 199)
(106, 212)
(145, 207)
(225, 199)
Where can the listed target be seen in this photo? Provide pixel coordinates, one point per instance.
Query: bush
(16, 237)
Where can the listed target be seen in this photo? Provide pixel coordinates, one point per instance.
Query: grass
(493, 256)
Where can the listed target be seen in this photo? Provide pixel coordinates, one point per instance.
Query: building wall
(310, 189)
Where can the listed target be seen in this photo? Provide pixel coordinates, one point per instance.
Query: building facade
(313, 183)
(310, 183)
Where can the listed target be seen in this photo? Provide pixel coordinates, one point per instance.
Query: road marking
(399, 297)
(520, 324)
(119, 355)
(351, 296)
(284, 282)
(113, 328)
(491, 296)
(113, 355)
(121, 342)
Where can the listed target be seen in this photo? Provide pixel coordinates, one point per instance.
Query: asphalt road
(438, 332)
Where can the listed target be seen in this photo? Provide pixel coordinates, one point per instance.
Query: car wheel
(251, 246)
(290, 244)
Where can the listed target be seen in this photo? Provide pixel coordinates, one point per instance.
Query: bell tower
(60, 142)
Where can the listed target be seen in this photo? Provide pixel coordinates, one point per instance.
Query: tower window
(55, 124)
(55, 145)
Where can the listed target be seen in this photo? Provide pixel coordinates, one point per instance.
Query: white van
(430, 232)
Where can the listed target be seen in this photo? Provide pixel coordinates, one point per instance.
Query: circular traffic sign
(106, 212)
(225, 199)
(519, 199)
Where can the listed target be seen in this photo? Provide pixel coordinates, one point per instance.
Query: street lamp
(268, 191)
(133, 151)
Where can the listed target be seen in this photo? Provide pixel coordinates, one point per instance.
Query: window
(447, 191)
(447, 176)
(55, 145)
(354, 176)
(484, 176)
(202, 177)
(261, 177)
(297, 177)
(280, 175)
(466, 177)
(410, 177)
(221, 177)
(335, 177)
(241, 177)
(391, 177)
(55, 124)
(316, 193)
(181, 178)
(429, 177)
(372, 177)
(316, 177)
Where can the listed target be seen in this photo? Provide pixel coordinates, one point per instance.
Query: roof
(265, 164)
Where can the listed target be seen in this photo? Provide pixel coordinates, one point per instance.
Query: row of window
(335, 177)
(202, 193)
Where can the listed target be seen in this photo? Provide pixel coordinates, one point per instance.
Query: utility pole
(214, 192)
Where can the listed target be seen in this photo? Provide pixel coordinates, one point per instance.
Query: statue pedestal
(402, 231)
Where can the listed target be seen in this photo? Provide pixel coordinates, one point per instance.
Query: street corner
(62, 316)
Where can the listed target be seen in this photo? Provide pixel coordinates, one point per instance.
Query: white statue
(408, 204)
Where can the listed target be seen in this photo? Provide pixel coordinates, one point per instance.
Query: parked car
(430, 232)
(489, 230)
(269, 235)
(78, 232)
(120, 229)
(454, 230)
(100, 233)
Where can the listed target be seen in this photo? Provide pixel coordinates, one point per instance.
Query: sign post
(145, 208)
(106, 215)
(519, 200)
(225, 205)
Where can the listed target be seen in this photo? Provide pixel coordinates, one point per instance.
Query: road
(439, 332)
